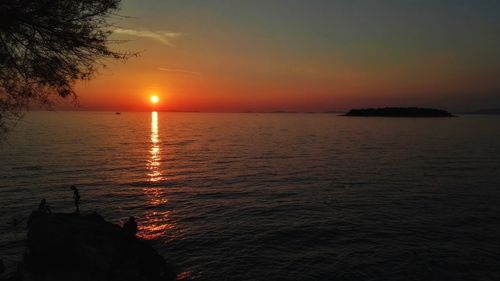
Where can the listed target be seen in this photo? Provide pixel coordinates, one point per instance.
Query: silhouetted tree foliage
(46, 46)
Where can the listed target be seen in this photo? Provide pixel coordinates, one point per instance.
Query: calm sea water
(272, 196)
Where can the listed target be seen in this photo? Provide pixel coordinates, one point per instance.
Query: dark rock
(398, 112)
(86, 247)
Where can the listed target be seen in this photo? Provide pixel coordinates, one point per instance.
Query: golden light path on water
(156, 222)
(155, 156)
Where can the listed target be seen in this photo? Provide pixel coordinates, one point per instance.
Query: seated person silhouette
(130, 226)
(43, 207)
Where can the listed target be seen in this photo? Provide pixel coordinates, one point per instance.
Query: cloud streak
(164, 37)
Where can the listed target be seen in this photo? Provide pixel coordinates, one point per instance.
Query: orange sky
(298, 57)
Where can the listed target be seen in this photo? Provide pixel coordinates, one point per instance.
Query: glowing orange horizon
(137, 88)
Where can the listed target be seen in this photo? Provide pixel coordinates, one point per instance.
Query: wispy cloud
(164, 37)
(178, 70)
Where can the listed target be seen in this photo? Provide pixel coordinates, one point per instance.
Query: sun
(154, 99)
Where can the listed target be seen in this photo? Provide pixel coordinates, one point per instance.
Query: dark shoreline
(414, 112)
(81, 247)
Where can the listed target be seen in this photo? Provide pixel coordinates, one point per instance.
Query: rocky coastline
(84, 247)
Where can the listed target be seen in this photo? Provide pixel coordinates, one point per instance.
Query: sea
(248, 196)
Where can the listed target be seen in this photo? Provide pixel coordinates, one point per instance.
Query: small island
(398, 112)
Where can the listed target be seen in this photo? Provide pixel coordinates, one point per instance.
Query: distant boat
(117, 113)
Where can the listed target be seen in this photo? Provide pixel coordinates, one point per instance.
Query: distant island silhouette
(398, 112)
(488, 111)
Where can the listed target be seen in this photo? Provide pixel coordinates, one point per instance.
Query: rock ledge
(86, 247)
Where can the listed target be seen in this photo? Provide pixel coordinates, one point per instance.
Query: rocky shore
(86, 247)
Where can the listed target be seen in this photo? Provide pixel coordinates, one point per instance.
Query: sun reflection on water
(154, 174)
(157, 222)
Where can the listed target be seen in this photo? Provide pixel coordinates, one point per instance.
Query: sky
(307, 56)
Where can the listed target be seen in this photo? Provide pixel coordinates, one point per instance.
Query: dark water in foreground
(273, 196)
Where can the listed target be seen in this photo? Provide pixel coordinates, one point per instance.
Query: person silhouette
(43, 207)
(76, 197)
(130, 226)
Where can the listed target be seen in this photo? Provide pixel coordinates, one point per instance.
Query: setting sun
(154, 99)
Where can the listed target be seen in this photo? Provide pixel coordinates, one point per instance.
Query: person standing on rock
(76, 197)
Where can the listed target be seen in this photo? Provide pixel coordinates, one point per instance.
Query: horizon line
(190, 111)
